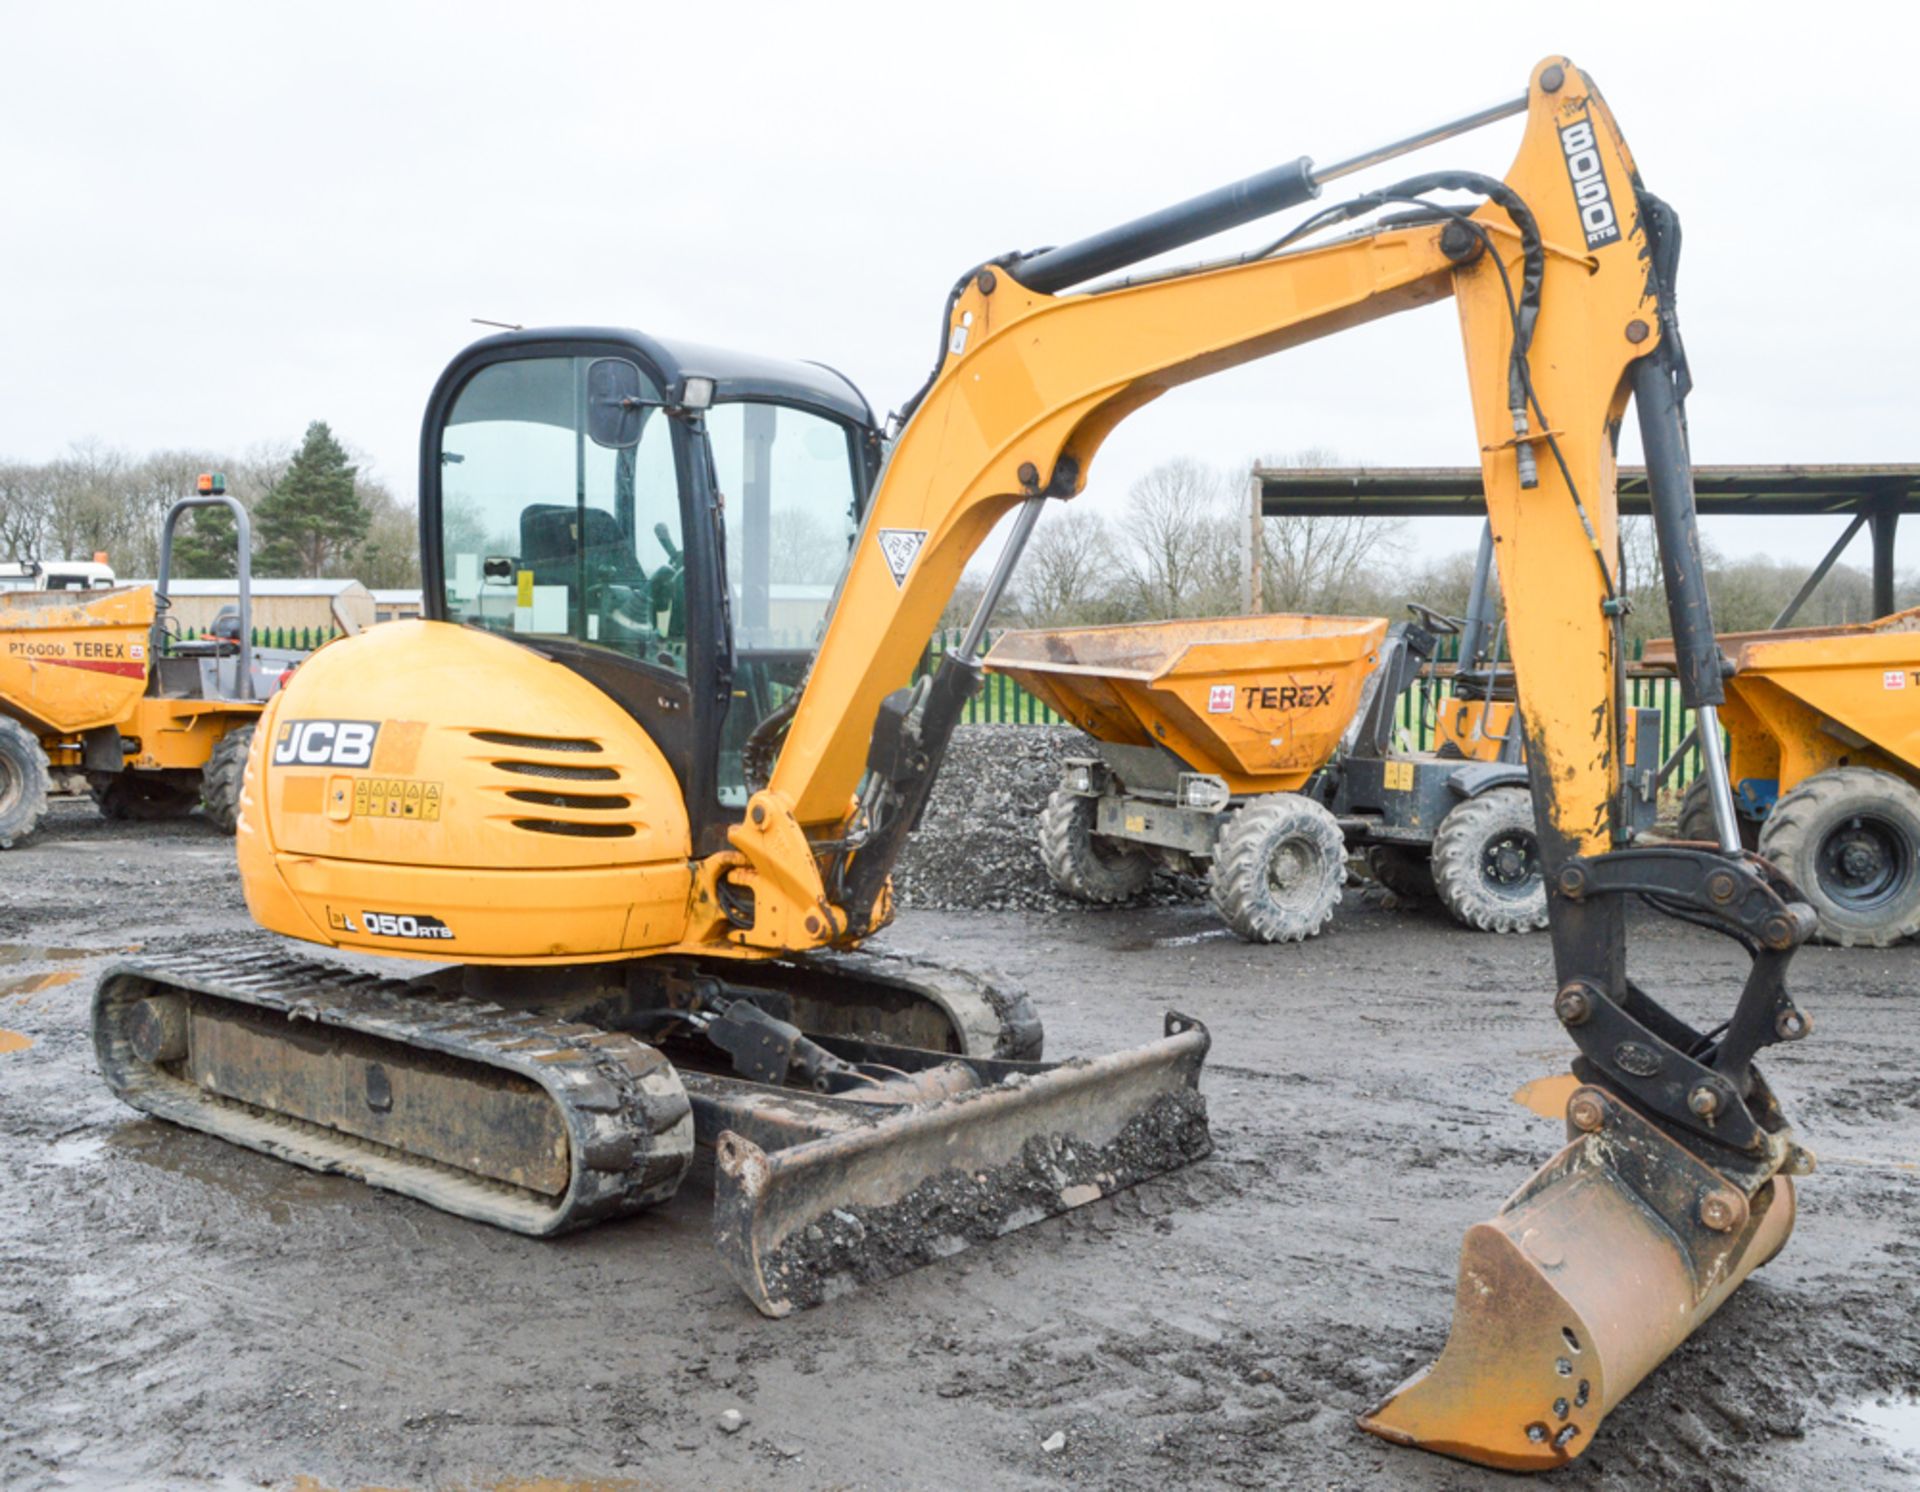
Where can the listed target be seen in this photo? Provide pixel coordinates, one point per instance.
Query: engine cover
(430, 790)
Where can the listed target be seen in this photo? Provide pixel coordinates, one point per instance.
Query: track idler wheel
(1583, 1282)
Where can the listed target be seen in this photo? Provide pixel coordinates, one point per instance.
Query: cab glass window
(790, 506)
(556, 524)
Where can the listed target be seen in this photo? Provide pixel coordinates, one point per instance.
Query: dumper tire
(24, 780)
(1486, 863)
(1403, 870)
(1849, 838)
(1279, 865)
(1696, 819)
(140, 797)
(1087, 866)
(220, 779)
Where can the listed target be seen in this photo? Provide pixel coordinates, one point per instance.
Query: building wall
(316, 613)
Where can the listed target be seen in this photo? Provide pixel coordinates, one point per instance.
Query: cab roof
(735, 375)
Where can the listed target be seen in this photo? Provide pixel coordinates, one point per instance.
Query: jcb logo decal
(325, 743)
(1589, 179)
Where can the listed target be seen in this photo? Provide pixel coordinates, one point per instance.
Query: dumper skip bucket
(1583, 1282)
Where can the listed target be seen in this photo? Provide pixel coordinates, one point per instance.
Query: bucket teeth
(1605, 1261)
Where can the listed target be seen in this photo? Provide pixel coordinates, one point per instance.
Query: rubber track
(628, 1122)
(992, 1020)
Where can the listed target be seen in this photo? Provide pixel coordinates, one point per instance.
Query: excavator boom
(1676, 1172)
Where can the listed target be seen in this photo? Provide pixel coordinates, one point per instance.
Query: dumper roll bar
(243, 572)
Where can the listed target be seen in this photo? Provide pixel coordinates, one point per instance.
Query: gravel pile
(975, 848)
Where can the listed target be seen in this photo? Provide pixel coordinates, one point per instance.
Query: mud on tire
(23, 783)
(1696, 818)
(1278, 868)
(220, 780)
(1084, 864)
(1849, 838)
(1406, 872)
(1486, 863)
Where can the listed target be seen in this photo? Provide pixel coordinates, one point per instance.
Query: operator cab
(671, 521)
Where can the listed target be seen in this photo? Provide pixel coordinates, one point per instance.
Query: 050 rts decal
(325, 743)
(391, 924)
(1589, 178)
(405, 925)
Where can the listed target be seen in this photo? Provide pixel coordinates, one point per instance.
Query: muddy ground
(177, 1313)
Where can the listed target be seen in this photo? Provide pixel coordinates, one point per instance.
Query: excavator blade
(800, 1224)
(1605, 1261)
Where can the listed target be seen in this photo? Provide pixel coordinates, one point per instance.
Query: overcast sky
(227, 221)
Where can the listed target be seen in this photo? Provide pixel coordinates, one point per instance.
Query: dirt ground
(181, 1314)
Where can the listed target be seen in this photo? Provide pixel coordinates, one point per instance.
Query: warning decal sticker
(901, 546)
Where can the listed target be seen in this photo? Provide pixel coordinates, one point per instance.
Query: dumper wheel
(1696, 819)
(1406, 872)
(140, 796)
(1849, 838)
(23, 783)
(1086, 865)
(220, 780)
(1486, 863)
(1278, 868)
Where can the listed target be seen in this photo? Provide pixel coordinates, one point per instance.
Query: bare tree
(25, 506)
(1324, 564)
(1181, 558)
(1066, 576)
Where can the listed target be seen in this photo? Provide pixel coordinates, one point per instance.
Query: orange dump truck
(1261, 749)
(1824, 725)
(92, 687)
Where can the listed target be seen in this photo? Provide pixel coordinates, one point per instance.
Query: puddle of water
(33, 984)
(31, 953)
(1187, 940)
(514, 1484)
(1895, 1421)
(76, 1150)
(1547, 1096)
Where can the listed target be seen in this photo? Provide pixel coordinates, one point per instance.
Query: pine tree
(205, 545)
(314, 514)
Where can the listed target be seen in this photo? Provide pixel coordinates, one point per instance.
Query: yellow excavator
(639, 821)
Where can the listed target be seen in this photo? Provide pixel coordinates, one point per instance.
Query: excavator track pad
(529, 1123)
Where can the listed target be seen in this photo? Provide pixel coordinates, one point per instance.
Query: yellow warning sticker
(396, 798)
(1397, 777)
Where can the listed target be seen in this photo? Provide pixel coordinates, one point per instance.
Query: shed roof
(1443, 491)
(320, 587)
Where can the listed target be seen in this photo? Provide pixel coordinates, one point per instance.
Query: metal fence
(298, 639)
(1003, 702)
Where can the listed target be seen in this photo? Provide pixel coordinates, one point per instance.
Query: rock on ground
(976, 847)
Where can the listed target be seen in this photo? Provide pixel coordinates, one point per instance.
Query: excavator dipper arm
(1671, 1188)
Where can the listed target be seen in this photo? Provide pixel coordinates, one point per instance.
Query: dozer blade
(1588, 1276)
(799, 1224)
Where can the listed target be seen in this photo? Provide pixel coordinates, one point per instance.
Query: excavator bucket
(1605, 1261)
(1001, 1145)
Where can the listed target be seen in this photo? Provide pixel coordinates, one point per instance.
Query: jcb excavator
(603, 784)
